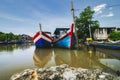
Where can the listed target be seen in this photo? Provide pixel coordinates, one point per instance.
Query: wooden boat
(42, 39)
(66, 40)
(106, 45)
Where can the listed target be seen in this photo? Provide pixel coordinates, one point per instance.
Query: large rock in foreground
(63, 72)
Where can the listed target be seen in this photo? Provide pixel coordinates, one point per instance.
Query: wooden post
(90, 31)
(73, 15)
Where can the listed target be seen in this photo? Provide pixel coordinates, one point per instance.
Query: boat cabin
(59, 32)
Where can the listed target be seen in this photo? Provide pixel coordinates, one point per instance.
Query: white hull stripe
(43, 37)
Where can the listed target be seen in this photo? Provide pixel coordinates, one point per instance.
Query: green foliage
(115, 35)
(8, 36)
(2, 36)
(84, 21)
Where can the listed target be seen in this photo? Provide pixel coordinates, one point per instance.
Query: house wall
(100, 34)
(103, 33)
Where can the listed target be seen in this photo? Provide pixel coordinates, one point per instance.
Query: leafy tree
(84, 21)
(115, 35)
(2, 36)
(10, 36)
(16, 37)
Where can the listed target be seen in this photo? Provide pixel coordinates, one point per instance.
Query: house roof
(109, 28)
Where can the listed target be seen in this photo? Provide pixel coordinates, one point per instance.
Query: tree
(2, 36)
(8, 37)
(84, 21)
(115, 35)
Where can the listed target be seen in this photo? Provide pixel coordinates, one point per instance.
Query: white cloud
(110, 14)
(98, 9)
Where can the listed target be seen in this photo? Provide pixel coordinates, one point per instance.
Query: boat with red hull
(42, 39)
(66, 40)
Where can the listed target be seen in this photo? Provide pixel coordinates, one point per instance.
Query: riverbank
(16, 42)
(64, 72)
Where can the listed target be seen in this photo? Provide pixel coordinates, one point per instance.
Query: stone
(63, 72)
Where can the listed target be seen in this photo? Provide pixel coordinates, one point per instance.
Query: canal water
(15, 58)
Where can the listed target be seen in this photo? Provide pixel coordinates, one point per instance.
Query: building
(102, 33)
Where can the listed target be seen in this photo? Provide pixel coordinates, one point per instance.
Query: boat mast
(40, 28)
(73, 15)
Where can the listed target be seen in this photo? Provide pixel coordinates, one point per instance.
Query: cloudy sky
(24, 16)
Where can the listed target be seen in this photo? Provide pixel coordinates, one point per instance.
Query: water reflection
(75, 58)
(62, 56)
(12, 47)
(85, 58)
(111, 63)
(111, 53)
(109, 58)
(42, 57)
(15, 58)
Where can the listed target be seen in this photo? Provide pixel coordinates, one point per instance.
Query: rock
(102, 76)
(63, 72)
(118, 73)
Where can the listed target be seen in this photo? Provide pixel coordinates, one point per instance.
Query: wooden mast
(40, 29)
(73, 15)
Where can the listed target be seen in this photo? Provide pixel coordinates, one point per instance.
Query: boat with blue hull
(66, 39)
(106, 45)
(109, 46)
(42, 39)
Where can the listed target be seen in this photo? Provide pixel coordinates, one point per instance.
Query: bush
(115, 35)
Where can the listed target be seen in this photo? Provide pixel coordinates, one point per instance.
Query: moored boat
(42, 39)
(109, 46)
(106, 45)
(65, 39)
